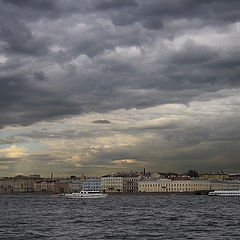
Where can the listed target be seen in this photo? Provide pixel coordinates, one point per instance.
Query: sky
(95, 87)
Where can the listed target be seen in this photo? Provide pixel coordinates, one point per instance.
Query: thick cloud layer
(60, 59)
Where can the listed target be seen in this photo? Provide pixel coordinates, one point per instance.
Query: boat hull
(86, 194)
(225, 193)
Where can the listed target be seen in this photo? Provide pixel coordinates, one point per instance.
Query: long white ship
(86, 194)
(230, 193)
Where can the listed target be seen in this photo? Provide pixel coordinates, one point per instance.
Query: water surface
(119, 217)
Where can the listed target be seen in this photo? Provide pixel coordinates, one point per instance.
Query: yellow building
(152, 185)
(44, 186)
(23, 185)
(214, 176)
(168, 185)
(112, 184)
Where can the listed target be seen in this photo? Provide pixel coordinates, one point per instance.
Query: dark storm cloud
(16, 38)
(154, 14)
(114, 4)
(192, 53)
(34, 10)
(23, 103)
(39, 76)
(41, 4)
(42, 79)
(102, 121)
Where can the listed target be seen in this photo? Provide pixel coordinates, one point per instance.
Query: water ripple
(119, 217)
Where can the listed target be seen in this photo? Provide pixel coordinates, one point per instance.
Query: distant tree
(193, 173)
(168, 174)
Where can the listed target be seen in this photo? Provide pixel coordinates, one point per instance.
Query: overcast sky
(94, 87)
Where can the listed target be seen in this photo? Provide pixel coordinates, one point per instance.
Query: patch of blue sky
(34, 146)
(10, 133)
(31, 146)
(4, 146)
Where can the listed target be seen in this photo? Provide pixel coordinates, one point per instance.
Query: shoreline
(205, 192)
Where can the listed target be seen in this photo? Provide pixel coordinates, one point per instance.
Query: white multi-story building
(92, 184)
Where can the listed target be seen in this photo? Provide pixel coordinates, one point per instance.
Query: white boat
(230, 193)
(86, 194)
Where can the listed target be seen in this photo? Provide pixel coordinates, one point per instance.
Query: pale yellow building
(112, 184)
(214, 176)
(168, 185)
(44, 186)
(224, 185)
(23, 185)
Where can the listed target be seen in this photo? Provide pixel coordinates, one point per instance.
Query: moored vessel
(230, 193)
(86, 194)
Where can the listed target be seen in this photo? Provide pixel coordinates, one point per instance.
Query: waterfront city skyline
(95, 87)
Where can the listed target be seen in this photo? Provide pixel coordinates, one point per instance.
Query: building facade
(23, 185)
(6, 186)
(224, 185)
(92, 184)
(214, 176)
(130, 184)
(168, 185)
(62, 186)
(75, 186)
(44, 186)
(112, 184)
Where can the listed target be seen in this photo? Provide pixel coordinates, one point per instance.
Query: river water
(119, 217)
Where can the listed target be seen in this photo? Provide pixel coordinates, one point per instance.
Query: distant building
(155, 175)
(75, 186)
(35, 176)
(6, 186)
(152, 185)
(168, 185)
(112, 184)
(23, 184)
(224, 185)
(92, 184)
(214, 176)
(62, 186)
(44, 186)
(234, 176)
(130, 184)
